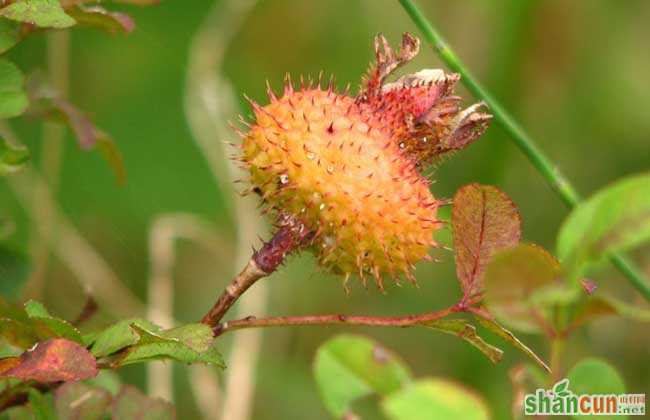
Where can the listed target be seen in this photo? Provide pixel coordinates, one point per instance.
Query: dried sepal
(387, 61)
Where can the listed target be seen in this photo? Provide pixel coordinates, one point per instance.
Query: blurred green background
(575, 74)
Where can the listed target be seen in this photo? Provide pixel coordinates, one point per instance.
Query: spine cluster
(349, 168)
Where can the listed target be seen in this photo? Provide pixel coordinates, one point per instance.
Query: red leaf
(484, 221)
(54, 360)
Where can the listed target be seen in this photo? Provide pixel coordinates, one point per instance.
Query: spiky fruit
(349, 167)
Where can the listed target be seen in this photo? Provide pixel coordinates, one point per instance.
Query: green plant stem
(560, 184)
(557, 351)
(58, 62)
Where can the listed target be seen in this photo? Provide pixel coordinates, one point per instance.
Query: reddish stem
(290, 236)
(370, 321)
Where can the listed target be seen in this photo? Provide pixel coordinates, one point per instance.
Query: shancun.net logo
(562, 401)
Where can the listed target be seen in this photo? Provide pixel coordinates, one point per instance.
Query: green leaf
(34, 323)
(14, 271)
(117, 336)
(435, 399)
(76, 400)
(348, 367)
(512, 278)
(9, 35)
(615, 219)
(192, 343)
(43, 13)
(46, 326)
(130, 403)
(484, 221)
(502, 332)
(34, 308)
(595, 376)
(467, 331)
(13, 158)
(13, 99)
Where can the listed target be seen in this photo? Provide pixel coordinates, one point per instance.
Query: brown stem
(370, 321)
(290, 236)
(249, 275)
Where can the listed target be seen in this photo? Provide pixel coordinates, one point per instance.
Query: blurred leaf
(502, 332)
(7, 223)
(43, 13)
(511, 279)
(484, 221)
(100, 18)
(435, 399)
(17, 413)
(13, 99)
(15, 326)
(25, 327)
(600, 305)
(192, 343)
(12, 157)
(117, 336)
(47, 326)
(76, 400)
(7, 351)
(467, 332)
(9, 35)
(616, 218)
(130, 404)
(112, 155)
(107, 380)
(42, 405)
(89, 136)
(138, 2)
(83, 128)
(595, 376)
(524, 378)
(17, 333)
(54, 360)
(14, 272)
(12, 311)
(8, 363)
(348, 367)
